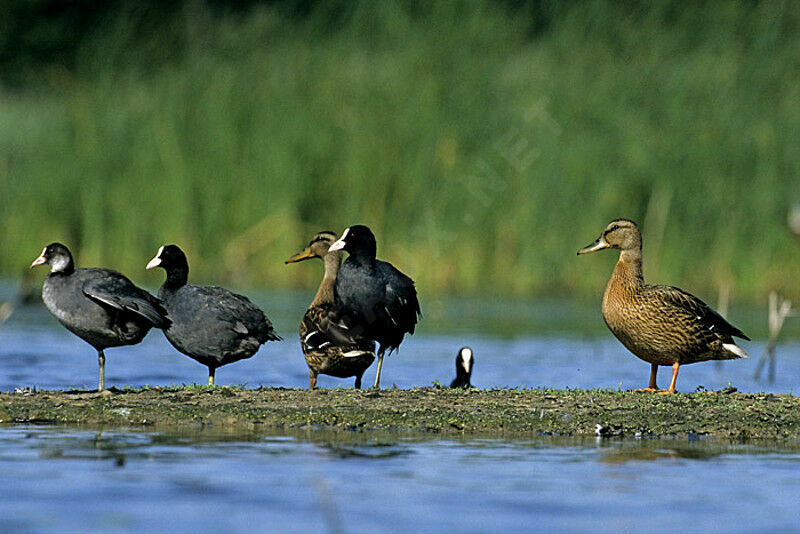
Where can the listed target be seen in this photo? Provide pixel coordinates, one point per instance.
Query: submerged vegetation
(483, 142)
(723, 414)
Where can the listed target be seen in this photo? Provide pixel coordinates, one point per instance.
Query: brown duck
(325, 352)
(662, 325)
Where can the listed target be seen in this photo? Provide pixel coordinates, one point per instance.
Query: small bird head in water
(464, 363)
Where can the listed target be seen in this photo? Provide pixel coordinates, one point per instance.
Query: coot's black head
(316, 248)
(58, 257)
(173, 260)
(358, 240)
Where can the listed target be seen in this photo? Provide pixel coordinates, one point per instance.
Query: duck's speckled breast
(635, 320)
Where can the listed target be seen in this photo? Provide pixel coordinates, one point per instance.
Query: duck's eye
(615, 227)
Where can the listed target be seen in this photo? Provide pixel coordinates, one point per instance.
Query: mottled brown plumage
(662, 325)
(325, 352)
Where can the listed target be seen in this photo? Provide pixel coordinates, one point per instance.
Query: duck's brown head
(622, 234)
(316, 248)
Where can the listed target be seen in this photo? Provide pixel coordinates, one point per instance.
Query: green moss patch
(499, 412)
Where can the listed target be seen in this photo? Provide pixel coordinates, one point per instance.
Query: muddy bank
(722, 414)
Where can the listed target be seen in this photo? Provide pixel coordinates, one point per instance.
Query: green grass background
(483, 142)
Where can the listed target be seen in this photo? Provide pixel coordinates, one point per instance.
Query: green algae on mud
(723, 414)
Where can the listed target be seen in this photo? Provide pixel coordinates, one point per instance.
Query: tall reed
(483, 151)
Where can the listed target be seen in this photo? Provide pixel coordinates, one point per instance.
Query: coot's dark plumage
(100, 306)
(375, 299)
(464, 363)
(662, 325)
(324, 353)
(209, 324)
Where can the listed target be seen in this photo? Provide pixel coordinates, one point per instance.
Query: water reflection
(89, 442)
(650, 452)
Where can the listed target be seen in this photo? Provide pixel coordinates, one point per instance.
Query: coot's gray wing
(378, 299)
(236, 310)
(113, 290)
(401, 302)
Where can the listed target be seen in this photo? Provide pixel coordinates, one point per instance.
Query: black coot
(375, 300)
(209, 324)
(100, 306)
(464, 363)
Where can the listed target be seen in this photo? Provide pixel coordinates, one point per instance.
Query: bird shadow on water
(694, 448)
(373, 451)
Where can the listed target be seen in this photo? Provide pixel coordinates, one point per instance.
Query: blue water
(117, 480)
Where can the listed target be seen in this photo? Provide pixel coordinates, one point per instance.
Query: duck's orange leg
(312, 380)
(675, 367)
(652, 387)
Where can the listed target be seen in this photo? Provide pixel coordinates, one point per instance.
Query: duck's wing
(324, 326)
(312, 336)
(113, 290)
(700, 314)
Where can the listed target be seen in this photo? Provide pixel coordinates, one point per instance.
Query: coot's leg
(380, 365)
(101, 360)
(358, 382)
(211, 372)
